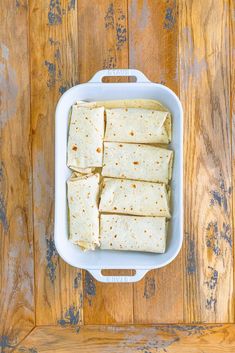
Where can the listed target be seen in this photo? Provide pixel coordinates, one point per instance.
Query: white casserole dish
(95, 261)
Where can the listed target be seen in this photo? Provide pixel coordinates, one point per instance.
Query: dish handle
(140, 77)
(115, 279)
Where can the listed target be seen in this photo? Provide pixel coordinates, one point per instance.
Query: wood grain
(232, 106)
(205, 95)
(156, 56)
(48, 46)
(131, 339)
(16, 228)
(153, 40)
(102, 30)
(54, 46)
(103, 36)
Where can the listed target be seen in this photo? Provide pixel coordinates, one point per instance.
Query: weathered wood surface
(103, 44)
(204, 69)
(232, 97)
(156, 56)
(16, 228)
(54, 49)
(131, 339)
(188, 46)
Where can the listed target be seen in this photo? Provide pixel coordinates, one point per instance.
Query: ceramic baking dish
(95, 261)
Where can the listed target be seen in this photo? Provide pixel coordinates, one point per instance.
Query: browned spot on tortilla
(98, 150)
(74, 148)
(116, 163)
(134, 186)
(126, 110)
(103, 186)
(115, 208)
(135, 163)
(132, 133)
(120, 145)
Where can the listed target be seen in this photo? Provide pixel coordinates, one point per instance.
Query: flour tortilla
(136, 161)
(126, 103)
(83, 193)
(133, 233)
(134, 197)
(85, 142)
(137, 125)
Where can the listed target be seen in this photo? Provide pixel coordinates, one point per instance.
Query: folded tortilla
(85, 142)
(134, 197)
(135, 161)
(126, 103)
(137, 125)
(118, 232)
(83, 193)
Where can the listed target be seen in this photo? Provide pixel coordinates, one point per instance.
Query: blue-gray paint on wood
(51, 259)
(3, 213)
(170, 15)
(89, 288)
(191, 256)
(149, 287)
(70, 317)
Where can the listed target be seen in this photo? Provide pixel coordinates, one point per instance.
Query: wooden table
(48, 46)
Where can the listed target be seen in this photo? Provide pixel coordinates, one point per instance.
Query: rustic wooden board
(205, 95)
(102, 30)
(232, 107)
(131, 339)
(185, 45)
(53, 47)
(16, 228)
(153, 36)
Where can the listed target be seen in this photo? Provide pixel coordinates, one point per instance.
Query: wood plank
(232, 97)
(53, 46)
(103, 37)
(153, 40)
(16, 228)
(131, 339)
(205, 95)
(102, 30)
(156, 56)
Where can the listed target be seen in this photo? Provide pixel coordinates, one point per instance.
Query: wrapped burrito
(140, 162)
(83, 193)
(134, 197)
(118, 232)
(137, 125)
(85, 142)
